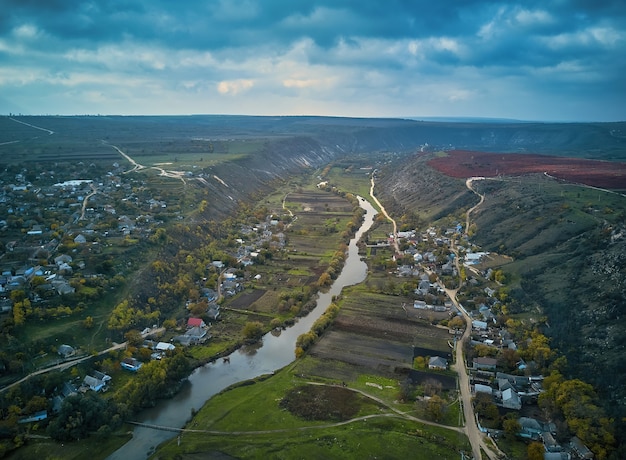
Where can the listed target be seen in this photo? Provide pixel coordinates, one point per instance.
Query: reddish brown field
(463, 164)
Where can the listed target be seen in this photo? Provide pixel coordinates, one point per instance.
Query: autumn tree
(435, 408)
(252, 330)
(511, 427)
(535, 451)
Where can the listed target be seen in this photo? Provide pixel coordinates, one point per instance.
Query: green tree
(134, 338)
(435, 408)
(252, 330)
(88, 322)
(535, 451)
(511, 427)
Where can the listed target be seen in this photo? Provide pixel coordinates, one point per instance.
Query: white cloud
(26, 31)
(234, 87)
(532, 18)
(603, 36)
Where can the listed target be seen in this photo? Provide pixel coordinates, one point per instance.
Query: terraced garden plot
(316, 201)
(247, 299)
(381, 355)
(375, 334)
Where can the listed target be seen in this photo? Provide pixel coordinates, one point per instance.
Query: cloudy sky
(547, 60)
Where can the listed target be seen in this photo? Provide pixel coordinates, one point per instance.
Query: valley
(252, 226)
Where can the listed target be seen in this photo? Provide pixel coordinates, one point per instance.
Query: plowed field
(463, 164)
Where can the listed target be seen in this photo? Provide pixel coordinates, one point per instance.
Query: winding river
(275, 353)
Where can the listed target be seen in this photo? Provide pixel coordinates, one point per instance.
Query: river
(275, 352)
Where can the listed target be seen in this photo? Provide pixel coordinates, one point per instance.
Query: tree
(134, 337)
(511, 427)
(419, 362)
(435, 408)
(324, 279)
(535, 451)
(252, 330)
(88, 322)
(456, 323)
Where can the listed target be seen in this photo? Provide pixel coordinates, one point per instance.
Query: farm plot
(321, 219)
(376, 354)
(374, 334)
(246, 300)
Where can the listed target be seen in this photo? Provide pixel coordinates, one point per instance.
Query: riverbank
(368, 350)
(273, 353)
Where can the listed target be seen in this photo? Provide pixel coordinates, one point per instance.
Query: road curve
(393, 222)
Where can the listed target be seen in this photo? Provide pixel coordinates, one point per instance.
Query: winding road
(468, 184)
(180, 175)
(471, 429)
(393, 222)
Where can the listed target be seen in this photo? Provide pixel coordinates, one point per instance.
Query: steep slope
(569, 249)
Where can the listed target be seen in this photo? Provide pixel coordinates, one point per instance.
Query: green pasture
(254, 407)
(351, 179)
(85, 449)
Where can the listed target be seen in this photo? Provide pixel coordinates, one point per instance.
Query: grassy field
(46, 449)
(256, 426)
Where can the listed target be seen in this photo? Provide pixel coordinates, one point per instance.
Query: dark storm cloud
(435, 54)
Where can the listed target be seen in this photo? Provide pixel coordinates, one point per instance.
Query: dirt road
(393, 222)
(475, 436)
(67, 364)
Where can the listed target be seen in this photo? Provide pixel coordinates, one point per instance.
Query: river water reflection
(275, 352)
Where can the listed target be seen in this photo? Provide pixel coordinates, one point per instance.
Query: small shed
(164, 346)
(66, 351)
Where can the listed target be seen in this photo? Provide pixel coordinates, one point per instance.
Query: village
(59, 252)
(505, 386)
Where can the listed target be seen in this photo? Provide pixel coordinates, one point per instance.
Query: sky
(548, 60)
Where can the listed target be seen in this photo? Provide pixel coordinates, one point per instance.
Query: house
(66, 351)
(62, 259)
(480, 325)
(164, 346)
(549, 443)
(438, 363)
(80, 239)
(580, 449)
(210, 294)
(484, 363)
(63, 287)
(419, 304)
(556, 456)
(480, 388)
(195, 322)
(530, 428)
(101, 376)
(93, 383)
(423, 287)
(519, 382)
(511, 400)
(68, 389)
(36, 230)
(131, 364)
(213, 311)
(196, 333)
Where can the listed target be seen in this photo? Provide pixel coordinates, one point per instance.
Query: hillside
(569, 253)
(74, 137)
